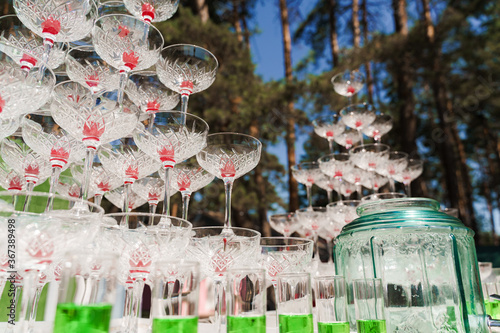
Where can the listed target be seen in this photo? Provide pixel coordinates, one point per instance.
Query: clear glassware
(369, 157)
(358, 177)
(384, 196)
(330, 294)
(395, 164)
(336, 166)
(348, 83)
(10, 179)
(229, 156)
(359, 117)
(74, 109)
(306, 173)
(326, 183)
(152, 10)
(376, 181)
(44, 136)
(124, 158)
(22, 93)
(313, 219)
(68, 186)
(8, 126)
(101, 182)
(189, 177)
(218, 251)
(117, 198)
(285, 224)
(343, 212)
(186, 69)
(25, 47)
(379, 127)
(151, 189)
(107, 7)
(57, 20)
(348, 138)
(347, 189)
(83, 65)
(329, 127)
(412, 171)
(120, 40)
(170, 139)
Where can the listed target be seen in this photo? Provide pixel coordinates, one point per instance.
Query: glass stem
(228, 186)
(136, 305)
(359, 190)
(127, 308)
(54, 179)
(316, 248)
(34, 306)
(392, 186)
(29, 285)
(330, 196)
(29, 188)
(330, 145)
(360, 137)
(219, 295)
(276, 296)
(98, 199)
(329, 244)
(166, 199)
(185, 205)
(151, 121)
(340, 189)
(45, 60)
(408, 189)
(309, 196)
(87, 171)
(152, 211)
(121, 86)
(126, 195)
(184, 102)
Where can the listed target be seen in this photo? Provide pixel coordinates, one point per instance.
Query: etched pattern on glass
(306, 176)
(348, 138)
(151, 189)
(116, 197)
(10, 179)
(369, 160)
(94, 75)
(59, 20)
(190, 179)
(100, 180)
(150, 94)
(8, 126)
(152, 10)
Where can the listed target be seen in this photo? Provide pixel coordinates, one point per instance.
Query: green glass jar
(426, 260)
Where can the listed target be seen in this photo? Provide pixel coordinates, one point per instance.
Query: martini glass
(306, 173)
(152, 10)
(74, 109)
(380, 126)
(218, 251)
(151, 189)
(359, 117)
(370, 157)
(56, 20)
(412, 171)
(336, 166)
(83, 65)
(395, 164)
(121, 42)
(229, 156)
(22, 93)
(25, 47)
(117, 198)
(123, 158)
(189, 177)
(45, 137)
(186, 69)
(348, 138)
(329, 127)
(343, 212)
(285, 224)
(348, 83)
(101, 181)
(171, 138)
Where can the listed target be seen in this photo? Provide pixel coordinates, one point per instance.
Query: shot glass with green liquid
(246, 300)
(331, 304)
(491, 305)
(86, 293)
(369, 305)
(295, 303)
(175, 297)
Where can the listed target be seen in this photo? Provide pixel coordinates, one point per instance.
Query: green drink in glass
(175, 324)
(73, 318)
(371, 326)
(296, 323)
(246, 324)
(493, 308)
(337, 327)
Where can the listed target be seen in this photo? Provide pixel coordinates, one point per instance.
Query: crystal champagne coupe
(395, 164)
(123, 158)
(348, 83)
(117, 198)
(314, 220)
(48, 139)
(370, 157)
(8, 126)
(377, 181)
(186, 69)
(306, 173)
(285, 224)
(25, 47)
(57, 21)
(379, 127)
(358, 177)
(68, 186)
(229, 156)
(120, 41)
(326, 183)
(412, 171)
(189, 177)
(101, 181)
(10, 179)
(151, 189)
(336, 166)
(329, 127)
(172, 138)
(359, 117)
(73, 108)
(152, 10)
(343, 212)
(218, 251)
(348, 138)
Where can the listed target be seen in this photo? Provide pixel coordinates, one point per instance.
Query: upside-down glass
(330, 294)
(370, 305)
(218, 251)
(295, 303)
(246, 300)
(329, 127)
(170, 139)
(228, 156)
(306, 173)
(186, 69)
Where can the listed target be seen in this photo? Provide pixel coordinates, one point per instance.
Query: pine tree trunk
(334, 43)
(290, 127)
(368, 65)
(492, 174)
(236, 21)
(356, 32)
(202, 10)
(246, 32)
